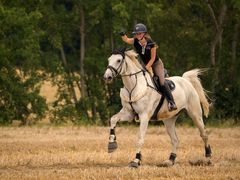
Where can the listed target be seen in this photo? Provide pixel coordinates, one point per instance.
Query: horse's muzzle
(108, 79)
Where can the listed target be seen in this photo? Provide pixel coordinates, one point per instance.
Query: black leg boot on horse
(167, 92)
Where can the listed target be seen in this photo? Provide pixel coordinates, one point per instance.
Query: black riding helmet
(140, 28)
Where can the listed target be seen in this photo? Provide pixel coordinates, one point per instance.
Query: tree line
(73, 38)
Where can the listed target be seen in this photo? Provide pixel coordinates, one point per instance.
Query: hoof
(134, 164)
(208, 151)
(112, 146)
(201, 162)
(166, 163)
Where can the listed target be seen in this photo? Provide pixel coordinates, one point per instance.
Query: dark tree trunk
(82, 50)
(234, 50)
(218, 25)
(69, 75)
(234, 42)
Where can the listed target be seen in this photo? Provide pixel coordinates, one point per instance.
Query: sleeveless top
(145, 52)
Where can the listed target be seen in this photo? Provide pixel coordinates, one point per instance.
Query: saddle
(170, 83)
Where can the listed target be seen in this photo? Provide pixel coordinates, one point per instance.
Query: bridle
(117, 71)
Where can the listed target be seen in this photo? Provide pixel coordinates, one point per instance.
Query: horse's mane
(133, 56)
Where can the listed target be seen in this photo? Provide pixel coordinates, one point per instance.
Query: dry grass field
(81, 153)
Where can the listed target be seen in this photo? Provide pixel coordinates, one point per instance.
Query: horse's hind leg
(123, 115)
(196, 114)
(170, 127)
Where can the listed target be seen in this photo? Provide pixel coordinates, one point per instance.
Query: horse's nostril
(108, 78)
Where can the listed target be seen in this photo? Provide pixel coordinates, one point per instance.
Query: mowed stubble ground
(81, 153)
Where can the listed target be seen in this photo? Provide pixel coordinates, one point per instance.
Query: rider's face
(139, 36)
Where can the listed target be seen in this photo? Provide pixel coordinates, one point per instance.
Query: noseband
(117, 71)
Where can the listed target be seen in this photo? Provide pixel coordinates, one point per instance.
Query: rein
(117, 71)
(132, 74)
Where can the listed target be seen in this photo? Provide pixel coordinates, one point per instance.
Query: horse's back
(183, 86)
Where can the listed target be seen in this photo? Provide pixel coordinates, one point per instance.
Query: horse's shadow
(199, 162)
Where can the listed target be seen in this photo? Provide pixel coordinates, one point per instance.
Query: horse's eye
(119, 60)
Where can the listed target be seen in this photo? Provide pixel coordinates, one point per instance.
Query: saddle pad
(169, 82)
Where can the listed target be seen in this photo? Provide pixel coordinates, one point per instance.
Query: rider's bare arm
(127, 39)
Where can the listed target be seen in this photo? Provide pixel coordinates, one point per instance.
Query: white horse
(140, 97)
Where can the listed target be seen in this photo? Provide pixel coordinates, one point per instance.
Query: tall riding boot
(167, 92)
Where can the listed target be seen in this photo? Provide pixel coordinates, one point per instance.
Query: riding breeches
(158, 69)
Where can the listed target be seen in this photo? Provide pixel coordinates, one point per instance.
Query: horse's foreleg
(142, 132)
(112, 143)
(123, 115)
(143, 128)
(170, 127)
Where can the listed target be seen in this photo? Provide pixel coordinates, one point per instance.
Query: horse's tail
(192, 76)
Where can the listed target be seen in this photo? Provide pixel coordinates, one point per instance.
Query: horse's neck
(131, 82)
(136, 81)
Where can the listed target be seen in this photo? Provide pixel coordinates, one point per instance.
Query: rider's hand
(147, 67)
(122, 33)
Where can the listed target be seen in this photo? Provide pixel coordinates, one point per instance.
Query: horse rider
(146, 48)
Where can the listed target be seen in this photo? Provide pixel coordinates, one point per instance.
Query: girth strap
(154, 116)
(134, 112)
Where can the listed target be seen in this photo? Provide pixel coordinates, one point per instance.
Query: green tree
(20, 60)
(73, 39)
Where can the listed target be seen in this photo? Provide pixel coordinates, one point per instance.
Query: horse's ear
(123, 49)
(128, 49)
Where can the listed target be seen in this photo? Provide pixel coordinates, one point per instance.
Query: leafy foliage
(46, 35)
(20, 58)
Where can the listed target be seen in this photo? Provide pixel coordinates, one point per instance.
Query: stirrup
(172, 106)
